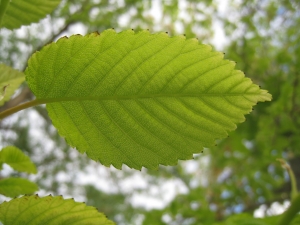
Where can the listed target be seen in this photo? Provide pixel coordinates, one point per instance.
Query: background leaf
(11, 77)
(247, 219)
(14, 186)
(140, 99)
(25, 12)
(49, 211)
(14, 157)
(243, 219)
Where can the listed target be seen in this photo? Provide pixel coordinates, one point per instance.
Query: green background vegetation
(239, 174)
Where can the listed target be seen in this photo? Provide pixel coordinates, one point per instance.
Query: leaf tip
(265, 96)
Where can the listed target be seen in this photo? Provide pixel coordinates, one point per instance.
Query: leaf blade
(15, 158)
(20, 12)
(14, 186)
(49, 211)
(138, 95)
(10, 79)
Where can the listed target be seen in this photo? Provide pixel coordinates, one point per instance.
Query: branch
(25, 95)
(291, 212)
(18, 108)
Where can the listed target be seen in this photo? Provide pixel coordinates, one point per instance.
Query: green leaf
(243, 219)
(25, 12)
(31, 210)
(247, 219)
(14, 186)
(14, 157)
(140, 99)
(10, 80)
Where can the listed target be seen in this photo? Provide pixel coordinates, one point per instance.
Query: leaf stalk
(20, 107)
(294, 192)
(291, 212)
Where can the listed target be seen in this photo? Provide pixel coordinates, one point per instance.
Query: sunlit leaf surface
(140, 99)
(25, 12)
(32, 210)
(15, 158)
(10, 80)
(14, 186)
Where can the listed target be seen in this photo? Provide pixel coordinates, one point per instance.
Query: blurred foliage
(246, 219)
(239, 174)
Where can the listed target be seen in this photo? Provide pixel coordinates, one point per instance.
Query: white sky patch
(94, 13)
(183, 14)
(157, 197)
(275, 209)
(101, 182)
(6, 170)
(219, 39)
(137, 181)
(149, 196)
(156, 11)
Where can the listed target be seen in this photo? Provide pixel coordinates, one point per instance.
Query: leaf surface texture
(32, 210)
(15, 158)
(25, 12)
(10, 79)
(15, 186)
(140, 99)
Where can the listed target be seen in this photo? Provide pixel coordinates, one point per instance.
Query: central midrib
(40, 101)
(134, 97)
